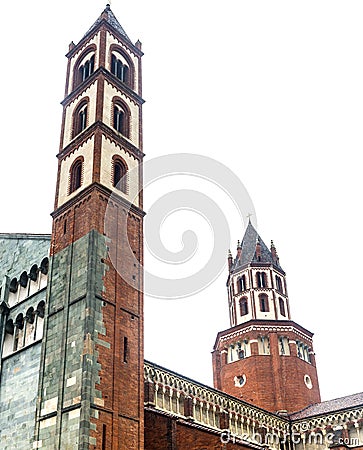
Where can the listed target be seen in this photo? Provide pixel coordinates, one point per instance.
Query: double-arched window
(261, 279)
(119, 69)
(86, 69)
(121, 66)
(85, 66)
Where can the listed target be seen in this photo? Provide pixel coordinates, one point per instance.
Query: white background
(272, 89)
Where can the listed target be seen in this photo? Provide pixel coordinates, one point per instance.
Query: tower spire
(263, 347)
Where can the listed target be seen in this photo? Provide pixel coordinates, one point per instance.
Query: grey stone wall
(18, 394)
(69, 368)
(18, 252)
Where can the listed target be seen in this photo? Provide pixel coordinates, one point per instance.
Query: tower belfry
(91, 380)
(264, 358)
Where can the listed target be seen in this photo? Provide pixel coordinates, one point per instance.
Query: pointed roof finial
(230, 260)
(110, 18)
(249, 217)
(274, 253)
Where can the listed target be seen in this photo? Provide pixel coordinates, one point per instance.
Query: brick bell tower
(91, 380)
(264, 358)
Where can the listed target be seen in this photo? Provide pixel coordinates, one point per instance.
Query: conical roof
(109, 16)
(249, 254)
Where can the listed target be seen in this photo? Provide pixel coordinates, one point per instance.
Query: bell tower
(264, 358)
(91, 379)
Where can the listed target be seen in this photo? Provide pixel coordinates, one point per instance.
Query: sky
(272, 90)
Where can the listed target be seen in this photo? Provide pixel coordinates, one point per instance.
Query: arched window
(278, 283)
(29, 326)
(39, 319)
(76, 175)
(44, 266)
(243, 305)
(86, 69)
(284, 346)
(119, 174)
(8, 346)
(282, 307)
(41, 309)
(122, 66)
(33, 274)
(84, 66)
(261, 279)
(19, 325)
(120, 69)
(241, 283)
(80, 118)
(264, 305)
(263, 345)
(24, 279)
(13, 285)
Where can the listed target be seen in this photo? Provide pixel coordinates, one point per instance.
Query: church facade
(72, 368)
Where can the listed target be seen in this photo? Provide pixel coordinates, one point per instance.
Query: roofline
(347, 408)
(32, 236)
(93, 31)
(217, 391)
(258, 264)
(288, 419)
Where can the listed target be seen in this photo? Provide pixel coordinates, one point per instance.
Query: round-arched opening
(19, 322)
(41, 309)
(30, 315)
(13, 285)
(33, 274)
(44, 266)
(9, 326)
(23, 279)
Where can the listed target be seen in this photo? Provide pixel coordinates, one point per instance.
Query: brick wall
(168, 433)
(273, 382)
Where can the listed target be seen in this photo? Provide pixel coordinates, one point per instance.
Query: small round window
(308, 382)
(240, 380)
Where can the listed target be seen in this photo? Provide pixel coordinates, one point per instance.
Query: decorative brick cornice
(107, 193)
(109, 133)
(112, 79)
(263, 325)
